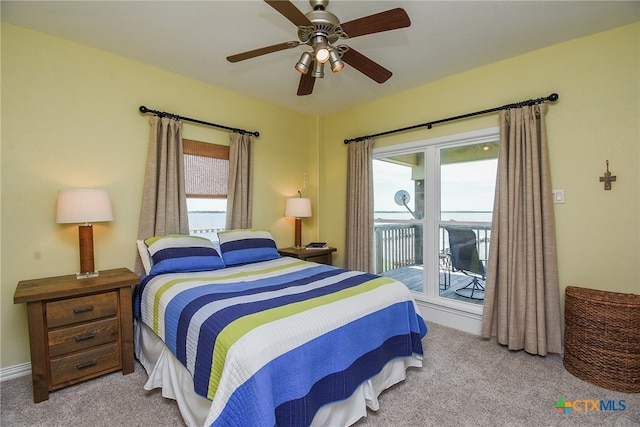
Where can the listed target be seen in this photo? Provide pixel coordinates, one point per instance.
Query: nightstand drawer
(81, 309)
(78, 365)
(75, 338)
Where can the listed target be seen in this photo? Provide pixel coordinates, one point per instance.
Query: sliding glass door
(433, 203)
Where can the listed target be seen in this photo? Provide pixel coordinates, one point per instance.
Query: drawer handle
(85, 337)
(82, 309)
(86, 364)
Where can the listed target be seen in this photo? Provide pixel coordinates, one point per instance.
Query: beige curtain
(239, 194)
(164, 204)
(359, 232)
(522, 307)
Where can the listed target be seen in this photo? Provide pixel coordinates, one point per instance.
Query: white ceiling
(193, 38)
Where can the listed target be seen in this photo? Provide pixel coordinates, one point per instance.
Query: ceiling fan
(320, 30)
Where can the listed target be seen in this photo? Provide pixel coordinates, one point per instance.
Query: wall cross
(607, 178)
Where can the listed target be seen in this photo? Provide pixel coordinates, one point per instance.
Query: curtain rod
(553, 97)
(144, 109)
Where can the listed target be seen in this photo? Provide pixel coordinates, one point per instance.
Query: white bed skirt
(167, 373)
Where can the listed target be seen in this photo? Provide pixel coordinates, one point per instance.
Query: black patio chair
(464, 258)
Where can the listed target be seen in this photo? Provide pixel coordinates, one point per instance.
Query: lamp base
(298, 235)
(87, 275)
(87, 267)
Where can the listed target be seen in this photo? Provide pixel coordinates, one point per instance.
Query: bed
(240, 336)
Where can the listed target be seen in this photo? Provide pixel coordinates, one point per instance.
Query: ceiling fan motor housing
(324, 23)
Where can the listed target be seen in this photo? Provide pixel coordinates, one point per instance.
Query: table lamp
(298, 207)
(84, 205)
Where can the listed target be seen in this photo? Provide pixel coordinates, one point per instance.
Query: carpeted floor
(464, 382)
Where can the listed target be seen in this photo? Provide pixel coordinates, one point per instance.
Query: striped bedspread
(271, 342)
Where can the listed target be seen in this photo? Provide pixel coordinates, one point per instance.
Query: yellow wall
(69, 118)
(597, 118)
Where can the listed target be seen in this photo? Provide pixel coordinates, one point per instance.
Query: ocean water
(466, 216)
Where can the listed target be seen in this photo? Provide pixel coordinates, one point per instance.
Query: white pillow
(144, 255)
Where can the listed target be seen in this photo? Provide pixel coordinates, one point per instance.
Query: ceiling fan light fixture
(321, 48)
(322, 55)
(303, 64)
(318, 70)
(335, 61)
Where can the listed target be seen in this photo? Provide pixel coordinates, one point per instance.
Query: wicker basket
(602, 338)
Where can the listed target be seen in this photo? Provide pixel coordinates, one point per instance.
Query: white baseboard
(11, 372)
(452, 317)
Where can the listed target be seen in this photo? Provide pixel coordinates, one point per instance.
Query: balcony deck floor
(412, 277)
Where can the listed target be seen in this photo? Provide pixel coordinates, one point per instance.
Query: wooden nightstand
(321, 256)
(78, 329)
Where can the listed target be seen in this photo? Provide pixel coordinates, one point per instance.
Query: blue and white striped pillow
(247, 245)
(175, 253)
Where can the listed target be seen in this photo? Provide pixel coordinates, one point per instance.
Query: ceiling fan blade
(262, 51)
(366, 66)
(305, 87)
(289, 11)
(384, 21)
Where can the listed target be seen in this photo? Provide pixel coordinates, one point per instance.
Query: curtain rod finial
(553, 97)
(143, 109)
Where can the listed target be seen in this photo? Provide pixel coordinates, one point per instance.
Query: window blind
(206, 169)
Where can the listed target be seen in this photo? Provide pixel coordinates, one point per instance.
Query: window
(422, 188)
(206, 170)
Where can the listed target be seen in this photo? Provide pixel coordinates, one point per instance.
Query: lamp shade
(298, 207)
(83, 205)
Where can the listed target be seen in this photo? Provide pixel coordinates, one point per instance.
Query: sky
(464, 186)
(468, 186)
(206, 205)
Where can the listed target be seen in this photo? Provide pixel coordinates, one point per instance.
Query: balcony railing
(209, 233)
(400, 245)
(205, 230)
(395, 246)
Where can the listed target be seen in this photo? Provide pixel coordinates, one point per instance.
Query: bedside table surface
(65, 286)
